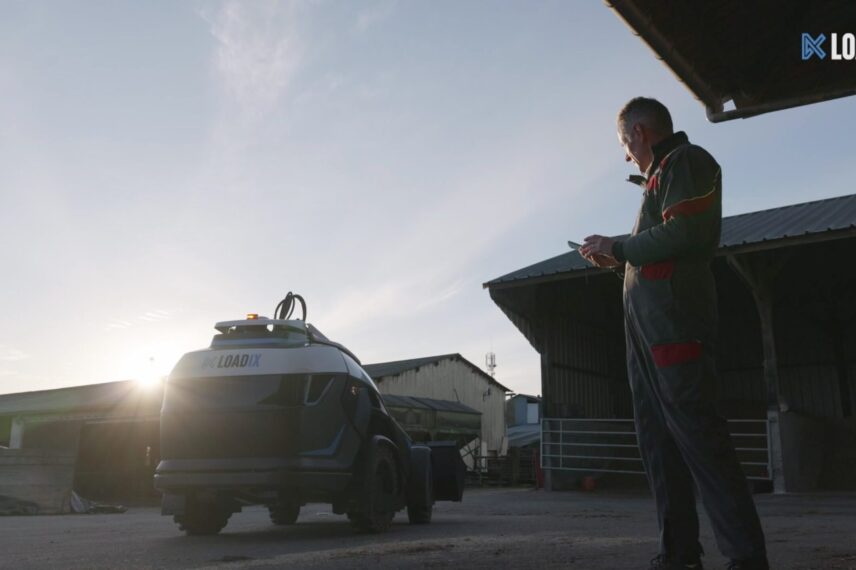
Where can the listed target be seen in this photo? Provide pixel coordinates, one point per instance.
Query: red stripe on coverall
(651, 184)
(658, 271)
(675, 353)
(690, 206)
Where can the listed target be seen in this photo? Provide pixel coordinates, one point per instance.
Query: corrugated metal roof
(523, 435)
(392, 401)
(797, 220)
(529, 397)
(110, 396)
(564, 263)
(380, 370)
(396, 367)
(773, 225)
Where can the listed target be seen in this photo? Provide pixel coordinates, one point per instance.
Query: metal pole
(759, 278)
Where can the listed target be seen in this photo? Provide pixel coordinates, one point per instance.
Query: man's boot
(665, 562)
(759, 563)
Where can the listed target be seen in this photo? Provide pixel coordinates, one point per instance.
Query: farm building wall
(456, 381)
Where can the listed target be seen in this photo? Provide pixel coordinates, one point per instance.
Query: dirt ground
(510, 528)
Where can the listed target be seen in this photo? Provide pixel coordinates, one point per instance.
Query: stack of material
(35, 481)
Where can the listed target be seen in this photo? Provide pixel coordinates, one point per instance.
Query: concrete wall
(455, 381)
(803, 440)
(41, 477)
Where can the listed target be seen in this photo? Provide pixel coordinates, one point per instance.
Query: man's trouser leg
(702, 437)
(670, 480)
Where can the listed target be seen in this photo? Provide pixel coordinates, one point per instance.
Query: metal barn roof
(394, 368)
(419, 402)
(749, 53)
(820, 220)
(523, 435)
(529, 397)
(123, 395)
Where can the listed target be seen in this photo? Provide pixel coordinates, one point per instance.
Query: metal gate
(601, 445)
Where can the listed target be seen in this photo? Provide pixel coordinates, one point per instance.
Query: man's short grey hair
(647, 111)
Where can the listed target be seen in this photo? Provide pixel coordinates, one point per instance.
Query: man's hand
(598, 250)
(604, 261)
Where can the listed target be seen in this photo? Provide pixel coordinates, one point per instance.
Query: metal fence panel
(606, 445)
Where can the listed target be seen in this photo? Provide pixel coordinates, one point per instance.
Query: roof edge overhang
(588, 272)
(641, 25)
(665, 51)
(777, 105)
(787, 241)
(452, 356)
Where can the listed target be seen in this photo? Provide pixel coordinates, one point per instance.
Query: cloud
(154, 316)
(258, 52)
(440, 297)
(413, 277)
(11, 354)
(421, 269)
(393, 299)
(118, 324)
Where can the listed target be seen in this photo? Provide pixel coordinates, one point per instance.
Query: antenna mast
(490, 362)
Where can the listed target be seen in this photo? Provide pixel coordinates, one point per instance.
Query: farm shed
(786, 354)
(100, 439)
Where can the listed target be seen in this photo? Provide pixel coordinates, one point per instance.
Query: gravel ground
(514, 528)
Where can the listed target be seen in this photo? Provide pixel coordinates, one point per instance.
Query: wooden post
(514, 455)
(759, 272)
(16, 437)
(837, 329)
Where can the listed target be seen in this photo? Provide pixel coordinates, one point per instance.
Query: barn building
(453, 378)
(786, 354)
(102, 440)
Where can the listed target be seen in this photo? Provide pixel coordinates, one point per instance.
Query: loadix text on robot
(233, 361)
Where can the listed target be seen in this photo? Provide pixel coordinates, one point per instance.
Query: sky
(167, 165)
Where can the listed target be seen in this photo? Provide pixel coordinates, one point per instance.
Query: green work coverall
(670, 325)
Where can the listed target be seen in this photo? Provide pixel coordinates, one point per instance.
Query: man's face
(637, 145)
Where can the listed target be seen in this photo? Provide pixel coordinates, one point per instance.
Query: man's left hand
(598, 250)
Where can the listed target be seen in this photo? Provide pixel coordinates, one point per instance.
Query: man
(670, 327)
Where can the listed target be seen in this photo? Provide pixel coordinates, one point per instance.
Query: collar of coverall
(664, 147)
(660, 150)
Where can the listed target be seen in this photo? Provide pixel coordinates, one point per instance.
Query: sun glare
(149, 381)
(151, 374)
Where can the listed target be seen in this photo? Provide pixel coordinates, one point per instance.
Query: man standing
(670, 327)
